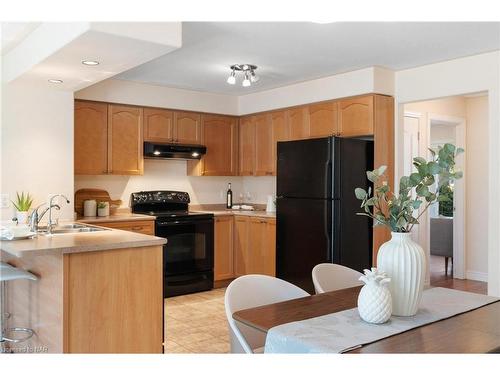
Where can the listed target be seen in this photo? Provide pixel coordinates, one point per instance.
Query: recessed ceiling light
(90, 62)
(55, 80)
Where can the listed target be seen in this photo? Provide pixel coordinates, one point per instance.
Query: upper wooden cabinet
(264, 157)
(158, 125)
(125, 144)
(220, 136)
(91, 138)
(356, 116)
(187, 128)
(162, 125)
(323, 119)
(279, 132)
(298, 123)
(247, 146)
(108, 139)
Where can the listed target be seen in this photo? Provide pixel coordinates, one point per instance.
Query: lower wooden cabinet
(138, 226)
(254, 246)
(223, 248)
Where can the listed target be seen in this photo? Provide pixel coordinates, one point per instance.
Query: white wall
(128, 92)
(357, 82)
(164, 175)
(477, 206)
(37, 144)
(457, 77)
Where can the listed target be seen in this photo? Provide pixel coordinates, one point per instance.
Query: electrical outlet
(4, 201)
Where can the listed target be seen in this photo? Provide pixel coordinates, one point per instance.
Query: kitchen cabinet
(356, 116)
(91, 138)
(187, 129)
(138, 226)
(158, 125)
(298, 123)
(323, 119)
(220, 136)
(246, 146)
(125, 143)
(255, 245)
(108, 139)
(279, 132)
(223, 247)
(264, 158)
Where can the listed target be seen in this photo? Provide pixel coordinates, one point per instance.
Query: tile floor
(196, 323)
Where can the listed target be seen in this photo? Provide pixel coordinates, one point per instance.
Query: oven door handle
(181, 222)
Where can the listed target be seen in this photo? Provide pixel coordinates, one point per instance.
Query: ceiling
(14, 32)
(289, 52)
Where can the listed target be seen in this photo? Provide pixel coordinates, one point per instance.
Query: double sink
(71, 228)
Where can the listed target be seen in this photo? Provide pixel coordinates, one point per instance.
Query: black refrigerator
(316, 207)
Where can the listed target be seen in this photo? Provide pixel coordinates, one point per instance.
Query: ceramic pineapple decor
(374, 300)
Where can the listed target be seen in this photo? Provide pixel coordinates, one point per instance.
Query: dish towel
(345, 330)
(6, 233)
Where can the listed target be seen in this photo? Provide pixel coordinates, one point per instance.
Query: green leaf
(419, 160)
(415, 179)
(449, 148)
(371, 176)
(458, 175)
(422, 191)
(434, 167)
(382, 169)
(360, 193)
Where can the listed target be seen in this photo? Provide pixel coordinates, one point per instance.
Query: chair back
(328, 277)
(251, 291)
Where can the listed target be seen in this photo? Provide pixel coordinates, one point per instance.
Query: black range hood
(173, 151)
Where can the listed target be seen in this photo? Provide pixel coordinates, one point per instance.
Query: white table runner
(345, 330)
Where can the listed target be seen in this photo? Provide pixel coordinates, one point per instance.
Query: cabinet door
(356, 116)
(264, 161)
(270, 248)
(220, 136)
(158, 125)
(247, 146)
(139, 226)
(223, 248)
(323, 119)
(241, 244)
(298, 123)
(91, 138)
(125, 140)
(256, 244)
(187, 128)
(279, 130)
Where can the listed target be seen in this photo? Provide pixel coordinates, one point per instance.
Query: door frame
(459, 191)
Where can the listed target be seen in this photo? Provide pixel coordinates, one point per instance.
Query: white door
(411, 150)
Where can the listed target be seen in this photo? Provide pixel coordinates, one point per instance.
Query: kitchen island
(98, 292)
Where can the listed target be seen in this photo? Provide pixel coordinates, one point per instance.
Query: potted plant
(22, 204)
(401, 258)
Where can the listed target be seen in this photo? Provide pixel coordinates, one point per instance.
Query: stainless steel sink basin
(73, 228)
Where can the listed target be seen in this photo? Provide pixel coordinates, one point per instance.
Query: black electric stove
(188, 256)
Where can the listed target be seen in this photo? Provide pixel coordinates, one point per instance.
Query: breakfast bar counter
(97, 292)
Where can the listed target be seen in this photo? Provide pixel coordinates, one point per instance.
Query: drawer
(138, 226)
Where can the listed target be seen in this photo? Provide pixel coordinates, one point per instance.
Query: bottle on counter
(229, 196)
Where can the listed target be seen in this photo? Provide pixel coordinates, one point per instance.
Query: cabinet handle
(137, 228)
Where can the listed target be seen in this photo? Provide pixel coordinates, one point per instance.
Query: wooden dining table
(475, 331)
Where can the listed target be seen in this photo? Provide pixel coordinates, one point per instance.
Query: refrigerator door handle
(328, 231)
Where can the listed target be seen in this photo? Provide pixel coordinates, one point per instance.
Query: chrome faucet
(35, 217)
(50, 223)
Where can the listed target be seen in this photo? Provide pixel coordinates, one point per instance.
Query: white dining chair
(328, 277)
(251, 291)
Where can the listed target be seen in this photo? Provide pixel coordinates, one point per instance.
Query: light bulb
(246, 81)
(231, 79)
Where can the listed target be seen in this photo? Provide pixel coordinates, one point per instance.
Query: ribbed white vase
(404, 262)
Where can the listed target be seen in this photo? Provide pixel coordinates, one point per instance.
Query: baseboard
(475, 275)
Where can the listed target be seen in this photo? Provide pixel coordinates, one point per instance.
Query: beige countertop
(119, 216)
(67, 243)
(219, 210)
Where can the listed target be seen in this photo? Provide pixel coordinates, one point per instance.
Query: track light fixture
(249, 74)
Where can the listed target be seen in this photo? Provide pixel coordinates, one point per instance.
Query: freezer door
(304, 238)
(305, 169)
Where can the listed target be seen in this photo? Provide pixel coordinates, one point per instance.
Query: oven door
(190, 245)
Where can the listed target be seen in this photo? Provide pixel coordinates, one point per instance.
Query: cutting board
(97, 194)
